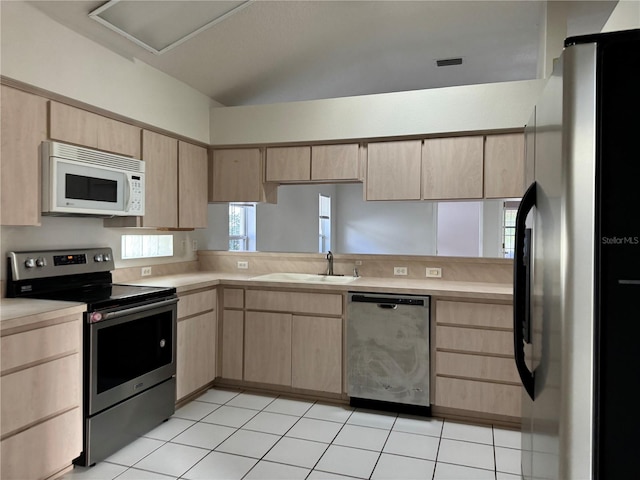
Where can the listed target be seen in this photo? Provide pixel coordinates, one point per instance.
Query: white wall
(625, 16)
(384, 227)
(291, 225)
(39, 51)
(452, 109)
(459, 231)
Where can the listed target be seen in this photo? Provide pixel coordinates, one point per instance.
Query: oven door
(130, 352)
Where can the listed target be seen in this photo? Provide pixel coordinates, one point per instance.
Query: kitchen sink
(305, 278)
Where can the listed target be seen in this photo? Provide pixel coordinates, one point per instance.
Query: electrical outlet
(358, 263)
(243, 265)
(434, 272)
(399, 270)
(194, 245)
(145, 271)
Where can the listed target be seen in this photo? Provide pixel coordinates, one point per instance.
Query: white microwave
(82, 181)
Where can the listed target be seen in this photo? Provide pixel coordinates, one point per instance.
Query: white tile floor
(239, 435)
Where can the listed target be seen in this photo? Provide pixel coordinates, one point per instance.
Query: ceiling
(283, 51)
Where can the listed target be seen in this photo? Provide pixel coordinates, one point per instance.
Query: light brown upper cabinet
(235, 175)
(317, 163)
(393, 170)
(335, 162)
(160, 154)
(288, 164)
(504, 174)
(24, 127)
(192, 186)
(452, 168)
(77, 126)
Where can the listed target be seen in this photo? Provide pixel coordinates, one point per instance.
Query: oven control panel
(51, 263)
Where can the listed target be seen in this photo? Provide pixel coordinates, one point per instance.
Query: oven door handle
(140, 308)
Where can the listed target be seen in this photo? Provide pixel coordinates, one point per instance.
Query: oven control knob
(98, 257)
(30, 262)
(41, 262)
(107, 257)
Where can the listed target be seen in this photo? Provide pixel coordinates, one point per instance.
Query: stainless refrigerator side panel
(526, 427)
(543, 457)
(578, 265)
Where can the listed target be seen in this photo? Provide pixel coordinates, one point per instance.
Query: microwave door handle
(521, 288)
(127, 194)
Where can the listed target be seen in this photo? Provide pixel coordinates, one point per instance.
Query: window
(324, 222)
(509, 211)
(147, 246)
(242, 227)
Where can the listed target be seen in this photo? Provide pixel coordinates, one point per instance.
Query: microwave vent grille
(95, 157)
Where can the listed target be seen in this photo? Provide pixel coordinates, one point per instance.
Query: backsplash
(485, 270)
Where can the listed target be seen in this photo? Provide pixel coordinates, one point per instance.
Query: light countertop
(18, 312)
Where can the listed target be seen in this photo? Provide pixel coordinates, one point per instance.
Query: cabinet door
(232, 344)
(316, 345)
(87, 129)
(24, 126)
(235, 175)
(267, 348)
(393, 170)
(192, 186)
(119, 137)
(73, 125)
(288, 164)
(335, 162)
(195, 353)
(504, 175)
(452, 168)
(160, 154)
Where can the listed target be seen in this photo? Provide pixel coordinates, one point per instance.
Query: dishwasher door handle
(389, 306)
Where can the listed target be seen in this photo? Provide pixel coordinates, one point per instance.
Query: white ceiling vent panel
(159, 26)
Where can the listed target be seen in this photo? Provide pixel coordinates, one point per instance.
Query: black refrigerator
(577, 266)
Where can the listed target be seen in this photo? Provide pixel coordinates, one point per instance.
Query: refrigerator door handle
(521, 288)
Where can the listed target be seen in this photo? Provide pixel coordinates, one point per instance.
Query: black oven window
(91, 188)
(131, 349)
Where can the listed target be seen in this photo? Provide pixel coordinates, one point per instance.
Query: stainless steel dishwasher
(388, 351)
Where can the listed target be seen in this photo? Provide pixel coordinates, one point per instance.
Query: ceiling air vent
(449, 61)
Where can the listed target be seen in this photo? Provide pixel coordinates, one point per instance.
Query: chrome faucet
(329, 263)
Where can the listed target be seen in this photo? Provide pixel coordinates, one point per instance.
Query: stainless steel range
(129, 342)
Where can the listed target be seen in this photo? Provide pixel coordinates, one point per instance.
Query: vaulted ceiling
(282, 51)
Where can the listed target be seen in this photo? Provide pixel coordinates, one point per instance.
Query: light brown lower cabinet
(41, 399)
(267, 352)
(475, 372)
(283, 338)
(196, 342)
(232, 344)
(316, 358)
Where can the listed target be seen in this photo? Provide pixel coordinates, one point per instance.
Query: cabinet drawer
(191, 304)
(494, 398)
(233, 298)
(321, 303)
(36, 345)
(34, 393)
(476, 366)
(474, 340)
(474, 314)
(43, 450)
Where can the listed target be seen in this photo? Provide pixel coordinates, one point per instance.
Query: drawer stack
(474, 365)
(41, 383)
